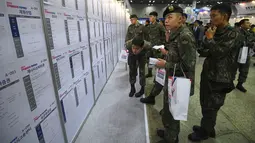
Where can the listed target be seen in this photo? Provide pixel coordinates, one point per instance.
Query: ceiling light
(131, 1)
(154, 1)
(253, 1)
(149, 4)
(149, 1)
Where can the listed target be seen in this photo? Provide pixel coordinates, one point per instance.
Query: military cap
(138, 41)
(133, 16)
(154, 13)
(172, 9)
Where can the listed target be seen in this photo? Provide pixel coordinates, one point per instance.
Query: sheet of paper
(92, 28)
(81, 5)
(56, 32)
(153, 61)
(14, 116)
(83, 30)
(31, 35)
(73, 31)
(86, 57)
(76, 64)
(62, 71)
(7, 53)
(158, 47)
(49, 130)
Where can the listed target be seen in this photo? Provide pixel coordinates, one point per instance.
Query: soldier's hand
(163, 51)
(161, 63)
(210, 32)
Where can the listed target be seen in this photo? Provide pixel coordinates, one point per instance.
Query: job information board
(28, 109)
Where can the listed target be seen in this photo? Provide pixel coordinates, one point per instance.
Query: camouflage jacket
(146, 47)
(221, 54)
(156, 34)
(136, 30)
(249, 38)
(182, 53)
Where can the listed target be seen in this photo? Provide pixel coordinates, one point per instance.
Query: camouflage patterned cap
(172, 9)
(133, 16)
(154, 13)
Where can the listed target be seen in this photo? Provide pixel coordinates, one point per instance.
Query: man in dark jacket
(220, 47)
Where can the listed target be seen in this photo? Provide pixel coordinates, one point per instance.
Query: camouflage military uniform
(139, 60)
(218, 73)
(182, 53)
(156, 37)
(136, 30)
(135, 61)
(244, 68)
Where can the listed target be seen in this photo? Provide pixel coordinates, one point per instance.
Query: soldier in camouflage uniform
(182, 53)
(220, 47)
(135, 30)
(156, 37)
(249, 39)
(138, 49)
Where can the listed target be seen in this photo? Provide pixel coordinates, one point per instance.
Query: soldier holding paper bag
(248, 43)
(182, 53)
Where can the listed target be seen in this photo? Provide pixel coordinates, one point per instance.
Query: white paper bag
(123, 56)
(161, 76)
(178, 97)
(243, 53)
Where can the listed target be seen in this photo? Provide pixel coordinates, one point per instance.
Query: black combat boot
(199, 135)
(148, 100)
(149, 73)
(132, 92)
(197, 128)
(240, 87)
(161, 134)
(140, 93)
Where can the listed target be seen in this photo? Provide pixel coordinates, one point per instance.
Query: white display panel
(77, 100)
(27, 97)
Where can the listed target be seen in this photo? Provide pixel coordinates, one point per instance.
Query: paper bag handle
(181, 69)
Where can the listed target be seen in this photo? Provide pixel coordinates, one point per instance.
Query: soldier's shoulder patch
(184, 41)
(232, 34)
(185, 38)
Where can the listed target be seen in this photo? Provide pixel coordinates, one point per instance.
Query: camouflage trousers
(156, 89)
(244, 70)
(172, 126)
(212, 97)
(135, 62)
